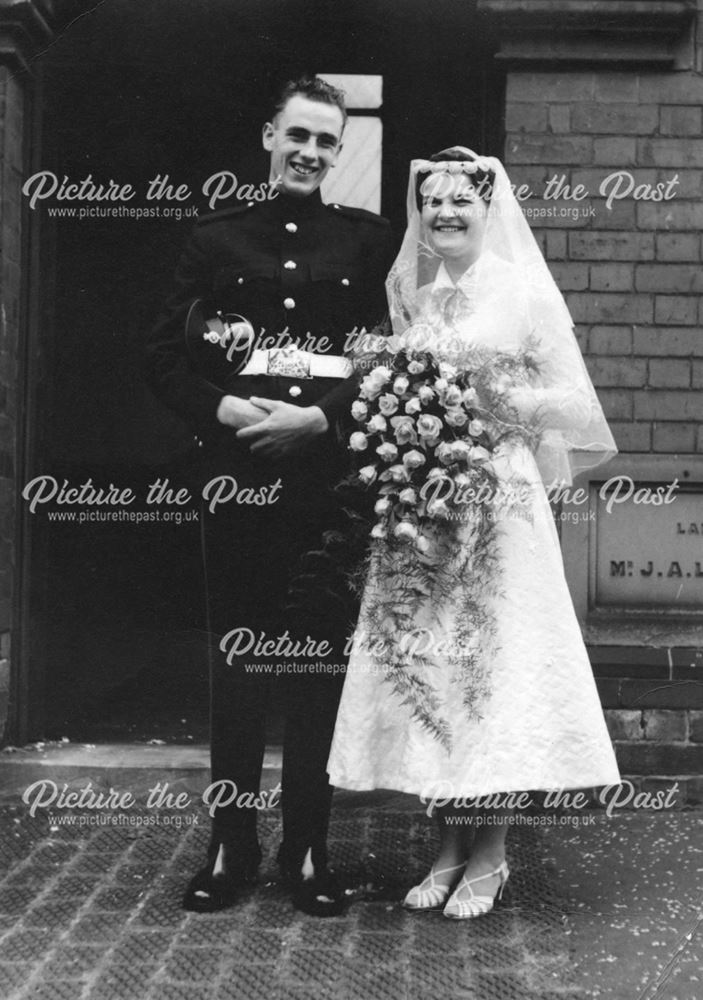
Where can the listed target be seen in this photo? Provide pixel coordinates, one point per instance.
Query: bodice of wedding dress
(492, 308)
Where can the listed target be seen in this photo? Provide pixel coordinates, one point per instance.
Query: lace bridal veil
(511, 288)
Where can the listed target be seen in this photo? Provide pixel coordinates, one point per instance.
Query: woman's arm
(561, 407)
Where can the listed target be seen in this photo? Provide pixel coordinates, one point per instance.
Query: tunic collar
(299, 208)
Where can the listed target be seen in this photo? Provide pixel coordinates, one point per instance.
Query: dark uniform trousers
(314, 271)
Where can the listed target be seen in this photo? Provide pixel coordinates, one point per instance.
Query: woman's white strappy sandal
(432, 896)
(463, 907)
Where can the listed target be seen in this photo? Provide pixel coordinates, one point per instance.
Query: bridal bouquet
(429, 448)
(429, 451)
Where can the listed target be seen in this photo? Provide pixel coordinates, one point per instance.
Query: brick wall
(631, 274)
(653, 702)
(11, 168)
(632, 277)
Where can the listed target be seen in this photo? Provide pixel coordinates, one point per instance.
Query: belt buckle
(289, 362)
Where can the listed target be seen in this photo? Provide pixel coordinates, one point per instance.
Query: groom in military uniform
(289, 271)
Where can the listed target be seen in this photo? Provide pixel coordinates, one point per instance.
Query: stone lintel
(544, 32)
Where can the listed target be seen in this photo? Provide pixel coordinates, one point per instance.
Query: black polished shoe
(319, 895)
(208, 892)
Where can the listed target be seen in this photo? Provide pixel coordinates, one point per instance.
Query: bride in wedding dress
(481, 684)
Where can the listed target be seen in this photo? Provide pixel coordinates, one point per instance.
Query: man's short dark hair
(315, 89)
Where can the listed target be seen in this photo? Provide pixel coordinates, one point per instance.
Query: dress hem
(475, 793)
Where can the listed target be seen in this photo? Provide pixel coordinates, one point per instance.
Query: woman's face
(454, 217)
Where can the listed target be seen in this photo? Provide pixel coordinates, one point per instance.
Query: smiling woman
(454, 217)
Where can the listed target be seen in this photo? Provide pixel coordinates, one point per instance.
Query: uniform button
(250, 204)
(294, 390)
(335, 206)
(289, 303)
(290, 265)
(240, 281)
(345, 281)
(291, 227)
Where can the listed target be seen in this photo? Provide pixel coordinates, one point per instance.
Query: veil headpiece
(524, 286)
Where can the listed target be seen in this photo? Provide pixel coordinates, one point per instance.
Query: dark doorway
(178, 88)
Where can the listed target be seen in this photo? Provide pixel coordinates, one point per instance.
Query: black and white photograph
(351, 500)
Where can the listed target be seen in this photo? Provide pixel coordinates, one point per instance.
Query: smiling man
(304, 141)
(290, 268)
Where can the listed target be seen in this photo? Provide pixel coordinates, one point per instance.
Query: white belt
(291, 362)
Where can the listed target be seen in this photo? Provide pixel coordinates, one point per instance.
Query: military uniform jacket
(286, 264)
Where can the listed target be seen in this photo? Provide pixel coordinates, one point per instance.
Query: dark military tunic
(289, 264)
(297, 270)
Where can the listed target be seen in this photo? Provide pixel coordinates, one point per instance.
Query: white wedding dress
(541, 725)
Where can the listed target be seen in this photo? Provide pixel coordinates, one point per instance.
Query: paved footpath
(612, 908)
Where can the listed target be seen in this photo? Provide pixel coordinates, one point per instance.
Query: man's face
(304, 141)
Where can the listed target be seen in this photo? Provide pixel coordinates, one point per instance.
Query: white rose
(367, 475)
(456, 417)
(359, 409)
(429, 427)
(378, 531)
(382, 506)
(372, 383)
(399, 474)
(377, 424)
(416, 367)
(386, 451)
(383, 373)
(358, 441)
(413, 406)
(443, 452)
(408, 495)
(452, 396)
(476, 427)
(388, 404)
(369, 389)
(404, 430)
(413, 459)
(437, 509)
(405, 531)
(400, 385)
(426, 393)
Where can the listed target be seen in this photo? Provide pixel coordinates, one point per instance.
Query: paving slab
(610, 909)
